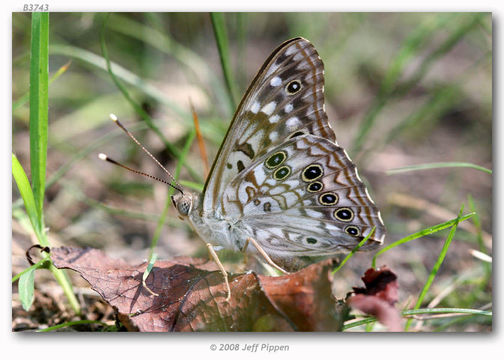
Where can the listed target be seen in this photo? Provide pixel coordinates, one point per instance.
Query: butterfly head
(183, 202)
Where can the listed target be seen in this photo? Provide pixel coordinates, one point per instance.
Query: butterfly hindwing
(305, 196)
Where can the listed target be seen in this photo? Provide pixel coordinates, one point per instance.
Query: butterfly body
(219, 230)
(280, 178)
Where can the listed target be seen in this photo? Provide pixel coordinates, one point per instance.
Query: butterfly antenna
(123, 128)
(104, 157)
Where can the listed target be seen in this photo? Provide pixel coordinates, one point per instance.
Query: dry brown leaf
(192, 295)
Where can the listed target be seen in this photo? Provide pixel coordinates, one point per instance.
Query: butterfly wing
(285, 99)
(310, 190)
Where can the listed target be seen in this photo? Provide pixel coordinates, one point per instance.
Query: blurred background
(401, 89)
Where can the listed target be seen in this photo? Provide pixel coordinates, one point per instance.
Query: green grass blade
(192, 185)
(436, 267)
(454, 311)
(24, 99)
(27, 194)
(40, 264)
(438, 165)
(219, 28)
(354, 250)
(353, 324)
(73, 323)
(39, 105)
(421, 233)
(26, 288)
(447, 311)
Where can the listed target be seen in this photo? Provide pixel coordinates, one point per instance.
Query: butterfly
(281, 187)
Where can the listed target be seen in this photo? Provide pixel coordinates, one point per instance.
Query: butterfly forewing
(286, 99)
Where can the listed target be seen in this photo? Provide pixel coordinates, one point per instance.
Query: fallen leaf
(378, 297)
(192, 295)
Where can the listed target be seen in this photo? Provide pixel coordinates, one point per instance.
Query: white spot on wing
(273, 136)
(276, 231)
(255, 107)
(242, 195)
(274, 119)
(275, 81)
(260, 175)
(299, 57)
(277, 190)
(314, 214)
(290, 50)
(269, 108)
(292, 123)
(270, 182)
(288, 108)
(290, 198)
(291, 183)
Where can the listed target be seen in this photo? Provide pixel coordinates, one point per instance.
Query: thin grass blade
(438, 165)
(421, 233)
(27, 195)
(354, 250)
(436, 267)
(39, 105)
(219, 27)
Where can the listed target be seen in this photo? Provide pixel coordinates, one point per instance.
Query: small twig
(201, 142)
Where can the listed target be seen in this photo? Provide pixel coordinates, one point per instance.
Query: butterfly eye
(275, 160)
(282, 173)
(344, 214)
(315, 186)
(352, 230)
(293, 87)
(312, 172)
(328, 198)
(184, 206)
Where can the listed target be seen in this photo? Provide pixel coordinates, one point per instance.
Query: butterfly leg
(263, 253)
(215, 258)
